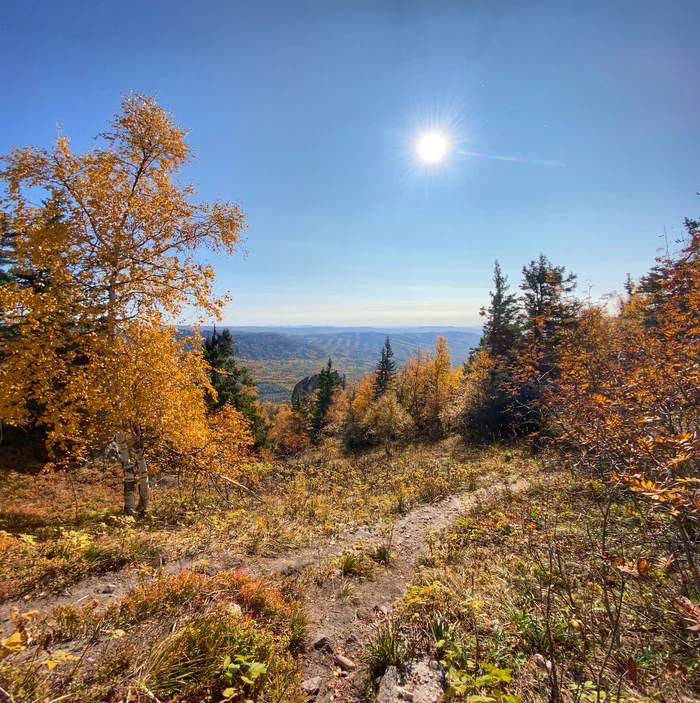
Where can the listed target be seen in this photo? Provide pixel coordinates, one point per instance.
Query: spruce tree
(549, 307)
(233, 384)
(502, 327)
(328, 381)
(386, 371)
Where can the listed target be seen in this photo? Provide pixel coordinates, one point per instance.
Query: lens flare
(494, 157)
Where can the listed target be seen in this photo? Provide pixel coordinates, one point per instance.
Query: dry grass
(522, 584)
(187, 637)
(50, 541)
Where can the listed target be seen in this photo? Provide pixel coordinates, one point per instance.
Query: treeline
(425, 397)
(391, 404)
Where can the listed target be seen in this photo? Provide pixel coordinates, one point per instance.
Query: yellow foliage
(337, 414)
(363, 396)
(291, 431)
(106, 263)
(426, 386)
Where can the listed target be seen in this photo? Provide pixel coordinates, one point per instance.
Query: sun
(432, 147)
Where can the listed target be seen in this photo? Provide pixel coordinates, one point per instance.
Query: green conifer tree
(328, 380)
(502, 328)
(233, 384)
(549, 307)
(386, 371)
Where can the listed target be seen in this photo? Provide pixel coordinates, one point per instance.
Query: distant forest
(277, 361)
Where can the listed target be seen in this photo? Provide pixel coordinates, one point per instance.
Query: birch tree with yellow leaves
(105, 249)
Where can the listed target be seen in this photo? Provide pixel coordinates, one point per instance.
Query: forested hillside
(280, 360)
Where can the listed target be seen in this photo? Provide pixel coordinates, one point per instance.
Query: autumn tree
(115, 247)
(426, 383)
(441, 383)
(338, 413)
(386, 421)
(385, 375)
(412, 383)
(360, 397)
(627, 400)
(233, 383)
(291, 428)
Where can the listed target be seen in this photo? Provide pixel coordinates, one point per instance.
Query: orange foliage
(363, 396)
(291, 430)
(628, 397)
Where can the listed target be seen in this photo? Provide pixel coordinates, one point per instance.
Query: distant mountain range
(330, 329)
(278, 357)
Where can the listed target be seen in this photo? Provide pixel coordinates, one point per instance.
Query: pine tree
(386, 371)
(502, 327)
(233, 384)
(328, 381)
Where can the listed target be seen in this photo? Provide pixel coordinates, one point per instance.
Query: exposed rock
(305, 387)
(344, 663)
(543, 663)
(388, 688)
(322, 642)
(110, 454)
(168, 481)
(426, 678)
(422, 683)
(312, 686)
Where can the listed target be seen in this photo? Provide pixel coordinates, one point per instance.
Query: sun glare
(432, 147)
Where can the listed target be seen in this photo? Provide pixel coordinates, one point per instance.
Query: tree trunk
(143, 480)
(128, 468)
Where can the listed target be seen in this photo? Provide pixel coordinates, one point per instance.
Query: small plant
(486, 687)
(241, 667)
(346, 592)
(355, 564)
(401, 506)
(383, 650)
(442, 630)
(381, 553)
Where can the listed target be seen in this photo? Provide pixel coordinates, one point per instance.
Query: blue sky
(308, 114)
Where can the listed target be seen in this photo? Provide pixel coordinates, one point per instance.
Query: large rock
(388, 692)
(305, 387)
(167, 481)
(421, 683)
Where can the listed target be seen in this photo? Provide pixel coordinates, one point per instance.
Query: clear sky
(308, 114)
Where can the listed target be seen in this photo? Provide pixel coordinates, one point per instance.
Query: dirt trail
(346, 624)
(112, 585)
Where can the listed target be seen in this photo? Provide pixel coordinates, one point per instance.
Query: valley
(277, 360)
